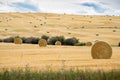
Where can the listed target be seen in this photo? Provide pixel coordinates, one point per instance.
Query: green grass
(28, 74)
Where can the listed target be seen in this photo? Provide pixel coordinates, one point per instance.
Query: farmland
(55, 57)
(83, 27)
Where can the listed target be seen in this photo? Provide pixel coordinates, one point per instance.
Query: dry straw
(17, 40)
(88, 44)
(101, 50)
(42, 43)
(58, 43)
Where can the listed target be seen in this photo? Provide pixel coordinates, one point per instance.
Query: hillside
(84, 27)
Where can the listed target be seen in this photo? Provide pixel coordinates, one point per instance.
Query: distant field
(83, 27)
(54, 57)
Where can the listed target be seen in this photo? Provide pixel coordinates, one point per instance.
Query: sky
(83, 7)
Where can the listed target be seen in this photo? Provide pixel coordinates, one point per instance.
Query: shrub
(23, 39)
(80, 44)
(1, 40)
(17, 37)
(61, 39)
(30, 40)
(9, 40)
(71, 41)
(45, 37)
(52, 40)
(35, 40)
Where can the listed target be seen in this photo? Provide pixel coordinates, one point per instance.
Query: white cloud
(110, 7)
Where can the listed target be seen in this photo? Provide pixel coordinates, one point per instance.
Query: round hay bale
(101, 50)
(58, 43)
(88, 44)
(42, 43)
(17, 40)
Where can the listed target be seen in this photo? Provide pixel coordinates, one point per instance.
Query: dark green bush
(80, 44)
(23, 39)
(52, 40)
(30, 40)
(45, 37)
(9, 40)
(17, 37)
(71, 41)
(1, 40)
(35, 40)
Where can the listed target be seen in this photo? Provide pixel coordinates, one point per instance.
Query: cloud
(87, 7)
(97, 8)
(26, 6)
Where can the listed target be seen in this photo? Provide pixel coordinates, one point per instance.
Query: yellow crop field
(86, 28)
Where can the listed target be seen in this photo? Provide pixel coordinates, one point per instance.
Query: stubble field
(85, 28)
(54, 57)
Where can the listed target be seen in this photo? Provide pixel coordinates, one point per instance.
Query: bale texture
(17, 40)
(101, 50)
(58, 43)
(88, 44)
(42, 43)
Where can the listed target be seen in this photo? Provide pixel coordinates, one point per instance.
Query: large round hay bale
(58, 43)
(101, 50)
(42, 43)
(17, 40)
(88, 44)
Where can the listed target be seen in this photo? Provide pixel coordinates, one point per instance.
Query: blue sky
(22, 5)
(95, 7)
(87, 7)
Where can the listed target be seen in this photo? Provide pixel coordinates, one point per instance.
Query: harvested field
(55, 57)
(29, 24)
(83, 27)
